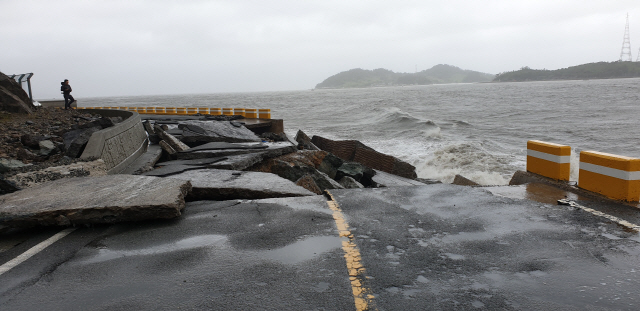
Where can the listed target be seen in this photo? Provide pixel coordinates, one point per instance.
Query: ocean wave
(471, 160)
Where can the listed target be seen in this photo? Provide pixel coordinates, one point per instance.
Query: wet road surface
(429, 247)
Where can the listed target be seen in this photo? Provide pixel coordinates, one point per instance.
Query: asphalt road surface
(433, 247)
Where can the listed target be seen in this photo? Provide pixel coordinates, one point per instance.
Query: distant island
(359, 78)
(600, 70)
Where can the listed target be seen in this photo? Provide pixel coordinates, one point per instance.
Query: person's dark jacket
(65, 88)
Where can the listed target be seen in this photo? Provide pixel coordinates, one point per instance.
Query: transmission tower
(625, 54)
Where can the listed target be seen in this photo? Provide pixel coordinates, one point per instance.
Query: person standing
(66, 91)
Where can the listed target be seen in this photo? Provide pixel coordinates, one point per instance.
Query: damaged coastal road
(398, 248)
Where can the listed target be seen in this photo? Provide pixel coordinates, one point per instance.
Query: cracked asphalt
(432, 247)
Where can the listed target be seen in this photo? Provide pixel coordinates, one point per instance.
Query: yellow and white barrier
(227, 111)
(181, 110)
(614, 176)
(238, 112)
(549, 159)
(251, 113)
(215, 111)
(203, 111)
(264, 113)
(191, 111)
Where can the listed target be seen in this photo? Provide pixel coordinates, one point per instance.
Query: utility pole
(625, 53)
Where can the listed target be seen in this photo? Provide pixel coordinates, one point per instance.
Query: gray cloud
(168, 47)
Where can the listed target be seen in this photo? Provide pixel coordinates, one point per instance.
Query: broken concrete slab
(194, 162)
(384, 179)
(169, 170)
(273, 150)
(239, 162)
(78, 169)
(214, 184)
(104, 199)
(220, 145)
(210, 131)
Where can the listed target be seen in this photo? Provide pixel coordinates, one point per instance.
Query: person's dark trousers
(68, 100)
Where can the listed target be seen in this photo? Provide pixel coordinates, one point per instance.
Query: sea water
(477, 130)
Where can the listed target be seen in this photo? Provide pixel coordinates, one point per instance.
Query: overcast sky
(116, 48)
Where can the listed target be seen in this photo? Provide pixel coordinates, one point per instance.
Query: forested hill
(601, 70)
(383, 77)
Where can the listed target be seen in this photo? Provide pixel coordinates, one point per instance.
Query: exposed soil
(51, 123)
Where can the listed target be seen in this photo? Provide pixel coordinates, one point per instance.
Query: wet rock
(175, 143)
(47, 147)
(31, 141)
(210, 131)
(357, 171)
(104, 199)
(76, 140)
(463, 181)
(13, 98)
(7, 186)
(78, 169)
(304, 142)
(325, 182)
(426, 181)
(239, 162)
(274, 137)
(308, 183)
(26, 155)
(349, 183)
(213, 184)
(330, 164)
(7, 165)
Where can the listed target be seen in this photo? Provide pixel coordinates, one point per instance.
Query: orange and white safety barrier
(264, 113)
(549, 159)
(248, 113)
(614, 176)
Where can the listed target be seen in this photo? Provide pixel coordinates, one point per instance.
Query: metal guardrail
(24, 77)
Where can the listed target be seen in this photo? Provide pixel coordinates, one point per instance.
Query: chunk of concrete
(220, 145)
(166, 147)
(78, 169)
(89, 200)
(214, 184)
(47, 147)
(273, 150)
(175, 143)
(308, 183)
(210, 131)
(384, 179)
(76, 140)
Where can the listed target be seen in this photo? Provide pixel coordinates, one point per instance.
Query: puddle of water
(535, 192)
(304, 250)
(188, 243)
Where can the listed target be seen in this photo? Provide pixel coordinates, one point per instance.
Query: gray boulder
(463, 181)
(210, 131)
(47, 147)
(175, 143)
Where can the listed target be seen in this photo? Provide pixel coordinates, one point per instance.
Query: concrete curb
(119, 145)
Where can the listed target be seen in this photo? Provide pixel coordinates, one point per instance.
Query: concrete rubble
(187, 160)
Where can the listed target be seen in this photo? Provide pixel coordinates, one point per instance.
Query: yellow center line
(361, 293)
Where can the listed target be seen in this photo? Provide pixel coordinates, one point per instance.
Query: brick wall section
(353, 150)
